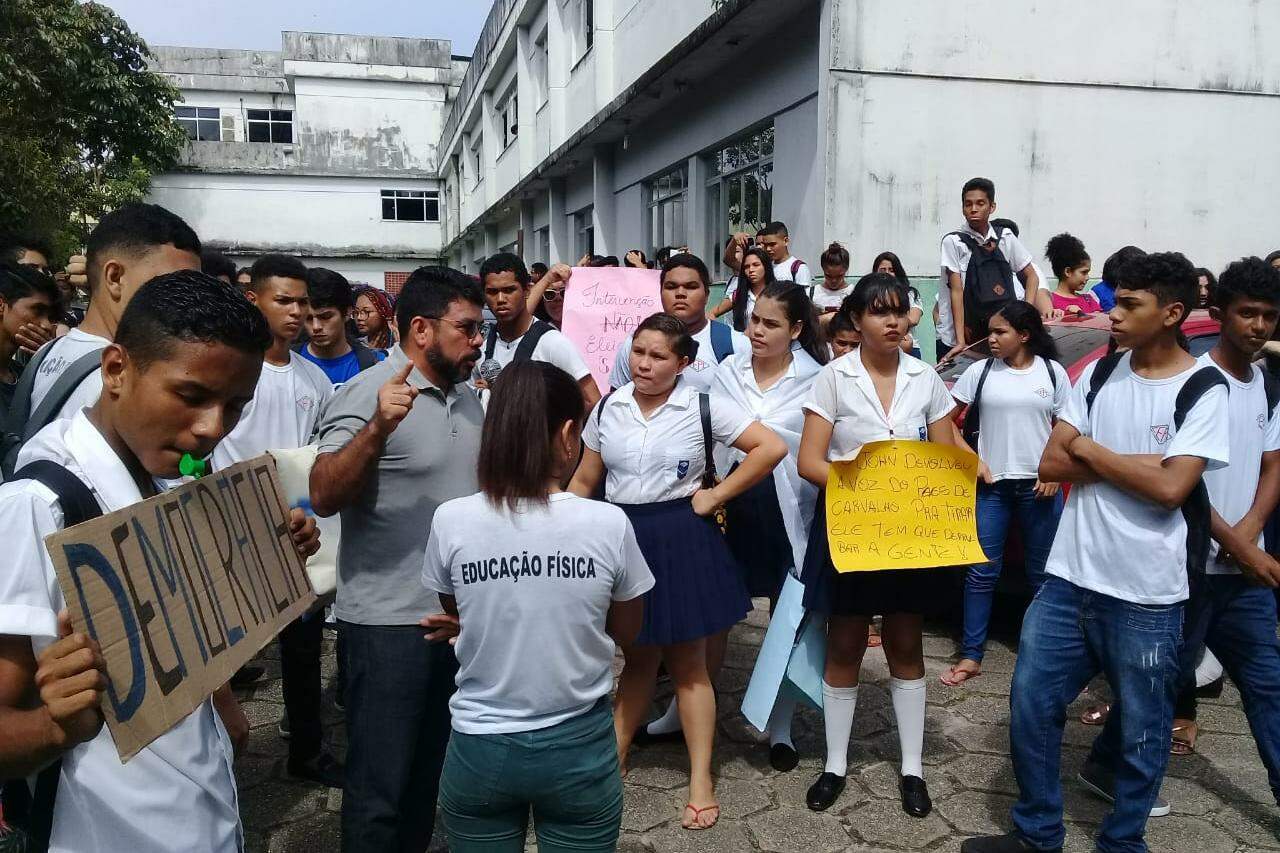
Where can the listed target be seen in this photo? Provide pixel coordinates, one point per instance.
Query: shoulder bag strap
(709, 469)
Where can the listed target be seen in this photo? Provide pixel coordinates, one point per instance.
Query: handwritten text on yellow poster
(903, 505)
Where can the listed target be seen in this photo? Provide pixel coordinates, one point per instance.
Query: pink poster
(602, 305)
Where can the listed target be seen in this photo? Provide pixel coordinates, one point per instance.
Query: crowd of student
(494, 502)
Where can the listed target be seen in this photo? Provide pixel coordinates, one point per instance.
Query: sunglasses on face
(552, 295)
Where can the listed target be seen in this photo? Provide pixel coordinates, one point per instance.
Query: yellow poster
(903, 505)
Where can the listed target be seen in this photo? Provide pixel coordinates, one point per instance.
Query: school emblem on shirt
(682, 469)
(1161, 434)
(306, 402)
(1042, 392)
(1262, 421)
(924, 433)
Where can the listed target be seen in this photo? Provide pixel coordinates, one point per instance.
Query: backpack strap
(491, 341)
(709, 467)
(365, 357)
(600, 406)
(971, 415)
(796, 263)
(1106, 366)
(524, 351)
(1053, 374)
(1193, 389)
(63, 387)
(1271, 386)
(721, 341)
(76, 499)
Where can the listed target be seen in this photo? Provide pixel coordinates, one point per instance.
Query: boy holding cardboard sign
(184, 363)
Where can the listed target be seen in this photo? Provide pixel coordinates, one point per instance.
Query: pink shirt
(1086, 302)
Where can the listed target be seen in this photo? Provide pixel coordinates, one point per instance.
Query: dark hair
(608, 261)
(1168, 275)
(328, 289)
(840, 322)
(836, 255)
(430, 290)
(275, 266)
(18, 281)
(795, 303)
(876, 291)
(1121, 256)
(505, 262)
(682, 343)
(537, 270)
(1247, 278)
(1065, 252)
(243, 271)
(530, 403)
(216, 264)
(687, 261)
(193, 307)
(12, 246)
(1007, 225)
(773, 229)
(1202, 272)
(744, 286)
(663, 255)
(1273, 257)
(644, 259)
(137, 228)
(899, 271)
(986, 185)
(1025, 319)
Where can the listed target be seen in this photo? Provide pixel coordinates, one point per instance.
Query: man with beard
(395, 442)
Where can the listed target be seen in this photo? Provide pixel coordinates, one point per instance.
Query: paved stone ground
(1221, 801)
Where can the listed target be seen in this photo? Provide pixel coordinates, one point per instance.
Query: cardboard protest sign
(602, 305)
(180, 590)
(903, 505)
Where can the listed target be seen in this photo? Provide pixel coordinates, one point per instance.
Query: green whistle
(189, 466)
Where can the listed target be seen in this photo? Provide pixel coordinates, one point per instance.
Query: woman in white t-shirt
(834, 287)
(888, 263)
(543, 583)
(873, 393)
(755, 274)
(648, 440)
(1019, 392)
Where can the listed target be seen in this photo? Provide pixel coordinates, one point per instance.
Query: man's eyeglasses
(552, 295)
(471, 328)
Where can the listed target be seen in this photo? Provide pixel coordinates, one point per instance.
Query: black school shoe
(824, 792)
(324, 769)
(783, 758)
(915, 796)
(1011, 843)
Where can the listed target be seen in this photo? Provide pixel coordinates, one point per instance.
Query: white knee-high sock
(838, 704)
(779, 726)
(668, 722)
(908, 707)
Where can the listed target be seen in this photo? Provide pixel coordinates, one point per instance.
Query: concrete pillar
(490, 142)
(603, 214)
(701, 242)
(527, 102)
(561, 239)
(490, 240)
(528, 247)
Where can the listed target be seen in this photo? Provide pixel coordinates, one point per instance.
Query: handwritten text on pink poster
(602, 305)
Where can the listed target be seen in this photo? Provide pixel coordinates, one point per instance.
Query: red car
(1080, 343)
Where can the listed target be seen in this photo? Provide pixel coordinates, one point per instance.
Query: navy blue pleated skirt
(922, 591)
(698, 589)
(757, 536)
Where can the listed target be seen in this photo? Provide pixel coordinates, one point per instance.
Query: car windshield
(1074, 343)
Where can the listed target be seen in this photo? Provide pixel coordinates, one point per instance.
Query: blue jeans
(1069, 635)
(1237, 621)
(398, 689)
(997, 505)
(567, 774)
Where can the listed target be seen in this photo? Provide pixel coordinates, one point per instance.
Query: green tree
(83, 122)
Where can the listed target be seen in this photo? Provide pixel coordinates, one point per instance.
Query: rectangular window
(740, 190)
(202, 124)
(508, 119)
(667, 195)
(270, 125)
(477, 157)
(410, 206)
(542, 242)
(538, 65)
(588, 24)
(584, 232)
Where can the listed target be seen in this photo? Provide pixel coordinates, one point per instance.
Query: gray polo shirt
(429, 459)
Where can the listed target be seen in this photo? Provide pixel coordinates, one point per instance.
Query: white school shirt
(781, 272)
(1109, 540)
(1253, 431)
(955, 258)
(1016, 413)
(778, 408)
(64, 352)
(282, 415)
(178, 793)
(533, 588)
(823, 297)
(553, 347)
(701, 372)
(661, 458)
(845, 395)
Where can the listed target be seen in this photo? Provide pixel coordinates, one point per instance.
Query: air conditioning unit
(229, 128)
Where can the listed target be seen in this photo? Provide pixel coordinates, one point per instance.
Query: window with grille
(202, 124)
(739, 190)
(270, 125)
(393, 282)
(667, 196)
(410, 206)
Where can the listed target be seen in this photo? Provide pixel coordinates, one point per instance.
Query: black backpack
(524, 350)
(972, 414)
(21, 422)
(29, 813)
(1196, 509)
(989, 283)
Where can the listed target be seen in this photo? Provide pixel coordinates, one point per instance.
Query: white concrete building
(327, 150)
(618, 124)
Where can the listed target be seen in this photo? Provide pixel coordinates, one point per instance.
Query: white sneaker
(1102, 782)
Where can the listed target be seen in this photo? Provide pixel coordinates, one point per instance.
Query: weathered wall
(1163, 134)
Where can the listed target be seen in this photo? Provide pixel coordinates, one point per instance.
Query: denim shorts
(567, 775)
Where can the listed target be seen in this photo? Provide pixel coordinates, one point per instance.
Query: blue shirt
(340, 369)
(1106, 295)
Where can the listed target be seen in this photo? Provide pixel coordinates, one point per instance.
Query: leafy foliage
(83, 122)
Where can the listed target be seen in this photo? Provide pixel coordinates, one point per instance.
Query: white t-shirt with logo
(955, 258)
(1016, 413)
(533, 589)
(283, 413)
(553, 347)
(1111, 541)
(1253, 431)
(63, 353)
(701, 372)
